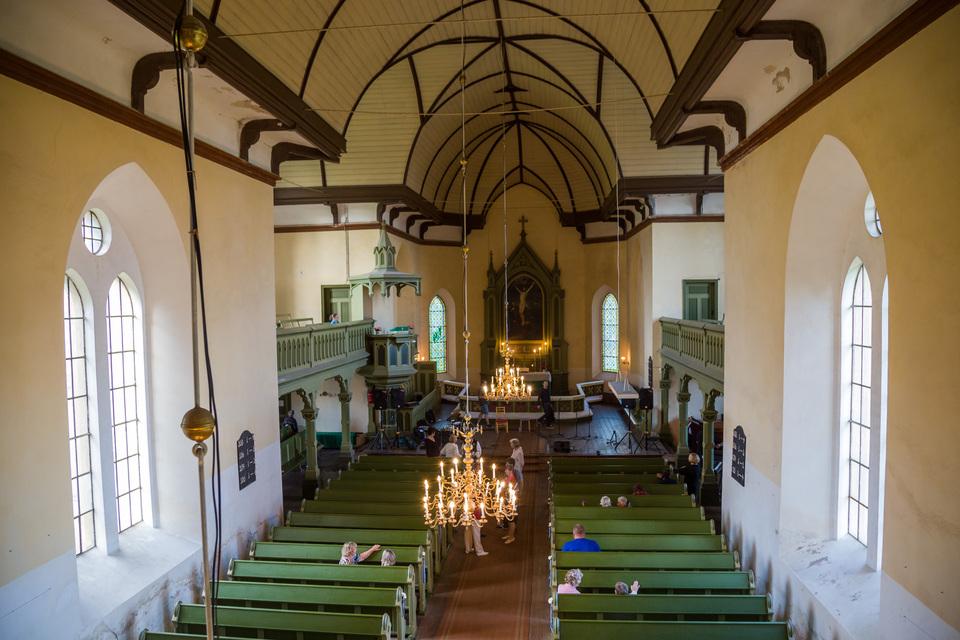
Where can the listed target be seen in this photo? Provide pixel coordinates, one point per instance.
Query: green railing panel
(651, 542)
(312, 348)
(650, 630)
(697, 345)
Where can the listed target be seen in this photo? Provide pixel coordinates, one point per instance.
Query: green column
(709, 418)
(664, 398)
(683, 397)
(312, 473)
(345, 395)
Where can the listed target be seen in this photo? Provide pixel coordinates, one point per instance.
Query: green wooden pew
(280, 623)
(362, 495)
(173, 635)
(313, 597)
(634, 527)
(581, 462)
(632, 513)
(593, 499)
(622, 487)
(590, 479)
(386, 537)
(601, 465)
(352, 482)
(699, 561)
(398, 508)
(313, 573)
(596, 606)
(395, 462)
(330, 553)
(651, 542)
(695, 582)
(649, 630)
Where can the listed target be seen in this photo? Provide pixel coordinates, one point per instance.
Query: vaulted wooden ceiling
(560, 94)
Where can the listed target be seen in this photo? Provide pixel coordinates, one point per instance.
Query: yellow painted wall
(899, 119)
(53, 155)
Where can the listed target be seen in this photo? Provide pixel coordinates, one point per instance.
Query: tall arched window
(610, 334)
(438, 333)
(75, 324)
(859, 422)
(123, 329)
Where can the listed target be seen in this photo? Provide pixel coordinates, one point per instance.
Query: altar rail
(696, 345)
(317, 347)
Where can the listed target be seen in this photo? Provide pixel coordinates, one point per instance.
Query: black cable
(216, 483)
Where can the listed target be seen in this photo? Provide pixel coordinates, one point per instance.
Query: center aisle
(503, 595)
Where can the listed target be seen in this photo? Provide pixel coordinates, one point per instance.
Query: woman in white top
(517, 456)
(450, 450)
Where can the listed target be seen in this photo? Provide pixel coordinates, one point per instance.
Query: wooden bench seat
(595, 606)
(362, 495)
(652, 542)
(397, 508)
(387, 537)
(646, 464)
(588, 480)
(314, 573)
(691, 561)
(394, 462)
(633, 513)
(696, 582)
(622, 487)
(593, 499)
(330, 554)
(633, 527)
(649, 630)
(311, 597)
(382, 486)
(279, 623)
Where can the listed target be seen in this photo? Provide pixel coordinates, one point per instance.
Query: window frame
(713, 298)
(437, 345)
(859, 420)
(605, 322)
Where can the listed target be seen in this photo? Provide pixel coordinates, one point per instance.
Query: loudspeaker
(645, 401)
(561, 446)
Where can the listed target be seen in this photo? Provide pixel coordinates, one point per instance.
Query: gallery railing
(305, 350)
(698, 345)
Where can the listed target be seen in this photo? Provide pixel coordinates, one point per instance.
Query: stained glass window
(123, 325)
(610, 334)
(438, 333)
(859, 422)
(78, 417)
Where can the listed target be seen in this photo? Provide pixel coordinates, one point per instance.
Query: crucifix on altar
(523, 228)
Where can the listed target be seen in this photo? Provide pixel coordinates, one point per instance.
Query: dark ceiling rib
(473, 145)
(733, 113)
(505, 130)
(710, 136)
(588, 169)
(663, 38)
(807, 41)
(599, 97)
(316, 48)
(416, 86)
(520, 151)
(251, 130)
(455, 162)
(283, 151)
(718, 44)
(232, 63)
(498, 187)
(442, 146)
(364, 193)
(214, 11)
(146, 74)
(596, 152)
(556, 160)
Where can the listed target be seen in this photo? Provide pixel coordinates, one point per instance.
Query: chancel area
(469, 319)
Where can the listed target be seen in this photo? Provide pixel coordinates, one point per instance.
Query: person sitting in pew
(571, 581)
(388, 558)
(621, 589)
(622, 502)
(605, 501)
(349, 555)
(666, 476)
(580, 541)
(638, 490)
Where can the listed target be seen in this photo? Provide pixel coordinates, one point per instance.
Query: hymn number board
(246, 460)
(739, 462)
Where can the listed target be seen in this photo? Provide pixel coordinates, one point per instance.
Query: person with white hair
(571, 581)
(517, 456)
(605, 501)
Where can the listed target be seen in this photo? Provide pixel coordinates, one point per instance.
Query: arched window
(610, 334)
(123, 329)
(860, 304)
(438, 333)
(75, 324)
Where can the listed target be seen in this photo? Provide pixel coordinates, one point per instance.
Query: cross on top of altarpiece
(523, 227)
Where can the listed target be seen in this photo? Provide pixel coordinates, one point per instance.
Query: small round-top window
(94, 232)
(872, 217)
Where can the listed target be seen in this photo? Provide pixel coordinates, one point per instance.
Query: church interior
(409, 319)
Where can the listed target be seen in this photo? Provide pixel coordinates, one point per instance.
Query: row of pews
(691, 586)
(292, 586)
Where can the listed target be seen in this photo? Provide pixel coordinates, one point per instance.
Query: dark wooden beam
(701, 136)
(365, 193)
(146, 74)
(914, 19)
(232, 63)
(357, 226)
(807, 40)
(251, 130)
(283, 151)
(35, 76)
(717, 45)
(414, 219)
(733, 113)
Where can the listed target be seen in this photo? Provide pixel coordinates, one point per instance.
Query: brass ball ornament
(198, 424)
(192, 34)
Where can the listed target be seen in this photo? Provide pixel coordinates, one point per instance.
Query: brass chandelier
(468, 495)
(507, 383)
